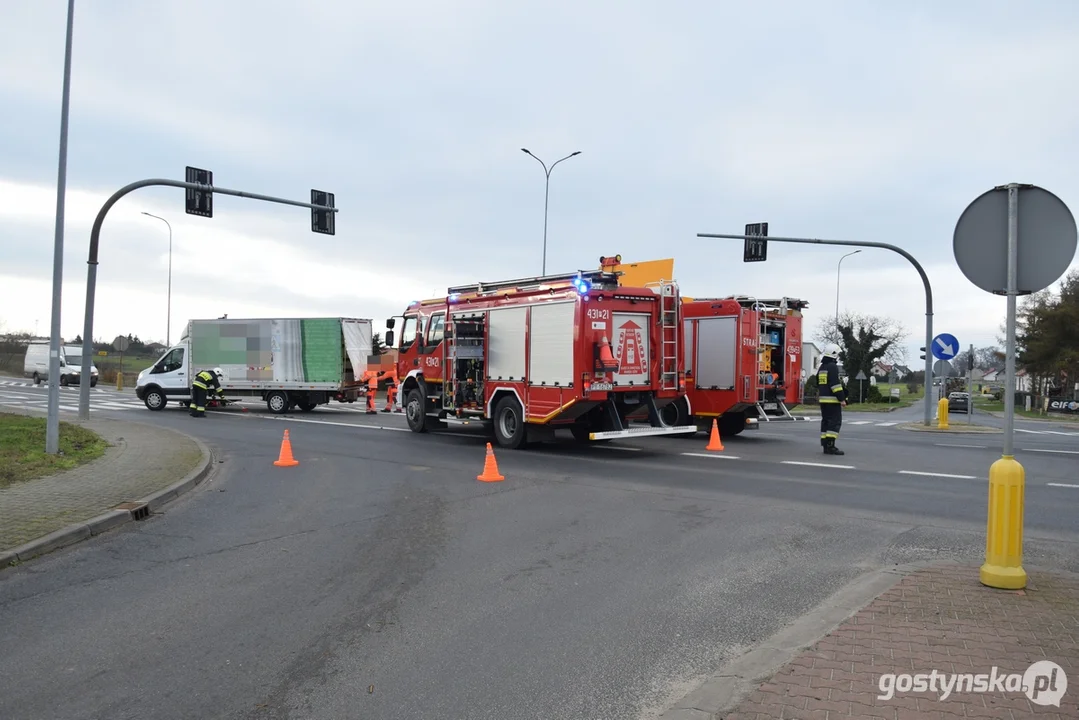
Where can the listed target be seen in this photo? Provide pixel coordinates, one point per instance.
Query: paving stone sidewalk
(141, 460)
(939, 619)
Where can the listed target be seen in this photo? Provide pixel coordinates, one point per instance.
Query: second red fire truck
(531, 356)
(743, 355)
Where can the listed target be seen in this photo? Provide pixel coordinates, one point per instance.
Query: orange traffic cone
(714, 442)
(490, 468)
(285, 459)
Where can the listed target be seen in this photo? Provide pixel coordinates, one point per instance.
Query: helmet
(832, 351)
(219, 372)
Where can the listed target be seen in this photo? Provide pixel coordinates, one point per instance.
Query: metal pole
(546, 196)
(52, 422)
(884, 246)
(168, 320)
(91, 270)
(546, 199)
(1009, 362)
(837, 269)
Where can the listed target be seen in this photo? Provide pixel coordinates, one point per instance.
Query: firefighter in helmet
(833, 398)
(200, 388)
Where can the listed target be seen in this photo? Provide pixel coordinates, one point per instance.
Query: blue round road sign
(945, 346)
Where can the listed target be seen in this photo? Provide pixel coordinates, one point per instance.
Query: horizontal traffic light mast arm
(91, 271)
(882, 246)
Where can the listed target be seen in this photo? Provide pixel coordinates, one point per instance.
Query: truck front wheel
(416, 410)
(731, 425)
(154, 399)
(510, 430)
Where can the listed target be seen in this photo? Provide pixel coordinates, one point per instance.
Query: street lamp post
(837, 269)
(546, 196)
(168, 320)
(52, 418)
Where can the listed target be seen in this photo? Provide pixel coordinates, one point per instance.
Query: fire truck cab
(530, 356)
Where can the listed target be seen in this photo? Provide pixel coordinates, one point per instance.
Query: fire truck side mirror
(389, 338)
(390, 323)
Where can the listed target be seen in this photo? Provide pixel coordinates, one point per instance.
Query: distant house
(155, 348)
(902, 372)
(992, 376)
(881, 370)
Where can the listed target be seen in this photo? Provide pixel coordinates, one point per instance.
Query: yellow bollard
(119, 381)
(942, 414)
(1003, 566)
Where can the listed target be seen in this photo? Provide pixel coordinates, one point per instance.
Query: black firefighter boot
(832, 449)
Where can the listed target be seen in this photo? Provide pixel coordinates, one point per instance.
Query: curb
(113, 518)
(727, 687)
(958, 429)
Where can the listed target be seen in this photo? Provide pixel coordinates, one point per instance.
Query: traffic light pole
(91, 271)
(883, 246)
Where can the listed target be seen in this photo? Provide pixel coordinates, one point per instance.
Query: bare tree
(865, 339)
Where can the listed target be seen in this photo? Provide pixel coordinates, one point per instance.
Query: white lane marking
(933, 474)
(887, 424)
(1057, 432)
(707, 455)
(1062, 452)
(1067, 485)
(813, 464)
(1033, 432)
(979, 447)
(318, 422)
(859, 422)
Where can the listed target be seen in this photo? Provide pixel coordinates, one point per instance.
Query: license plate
(602, 386)
(771, 406)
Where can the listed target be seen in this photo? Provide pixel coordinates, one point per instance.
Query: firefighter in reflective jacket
(200, 387)
(832, 400)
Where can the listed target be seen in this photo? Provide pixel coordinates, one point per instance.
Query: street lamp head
(526, 151)
(576, 153)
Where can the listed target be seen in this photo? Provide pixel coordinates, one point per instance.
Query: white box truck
(286, 362)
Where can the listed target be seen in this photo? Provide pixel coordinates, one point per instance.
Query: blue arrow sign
(945, 346)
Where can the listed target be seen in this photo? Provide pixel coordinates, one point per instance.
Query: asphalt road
(379, 579)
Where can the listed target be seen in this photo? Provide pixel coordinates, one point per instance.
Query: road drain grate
(139, 511)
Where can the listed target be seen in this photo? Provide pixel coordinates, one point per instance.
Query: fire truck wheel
(415, 412)
(675, 413)
(731, 425)
(307, 406)
(510, 430)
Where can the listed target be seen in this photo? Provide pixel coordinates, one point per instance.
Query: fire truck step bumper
(643, 432)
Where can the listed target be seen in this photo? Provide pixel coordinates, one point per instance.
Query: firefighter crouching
(833, 398)
(200, 387)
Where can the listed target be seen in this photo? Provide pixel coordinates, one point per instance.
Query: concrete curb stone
(726, 688)
(113, 518)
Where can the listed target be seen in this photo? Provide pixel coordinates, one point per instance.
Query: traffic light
(923, 352)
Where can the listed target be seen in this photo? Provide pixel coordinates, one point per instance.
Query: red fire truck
(743, 362)
(743, 355)
(534, 355)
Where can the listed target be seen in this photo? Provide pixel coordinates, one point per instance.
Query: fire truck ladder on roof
(669, 334)
(595, 278)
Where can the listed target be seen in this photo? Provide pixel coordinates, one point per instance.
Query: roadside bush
(874, 395)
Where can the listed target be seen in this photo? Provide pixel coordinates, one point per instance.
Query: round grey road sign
(1046, 240)
(121, 343)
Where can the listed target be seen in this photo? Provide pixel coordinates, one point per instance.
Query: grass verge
(22, 448)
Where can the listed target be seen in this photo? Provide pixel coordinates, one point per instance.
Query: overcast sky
(848, 120)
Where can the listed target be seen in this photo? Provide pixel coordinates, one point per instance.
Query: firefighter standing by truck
(200, 387)
(833, 398)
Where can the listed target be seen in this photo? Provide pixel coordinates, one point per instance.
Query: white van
(73, 358)
(36, 365)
